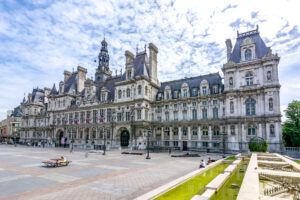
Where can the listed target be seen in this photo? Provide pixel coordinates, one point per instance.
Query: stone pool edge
(169, 186)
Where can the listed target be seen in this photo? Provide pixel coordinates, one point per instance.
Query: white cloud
(40, 40)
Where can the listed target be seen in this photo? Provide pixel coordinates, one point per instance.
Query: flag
(87, 120)
(75, 120)
(101, 118)
(100, 57)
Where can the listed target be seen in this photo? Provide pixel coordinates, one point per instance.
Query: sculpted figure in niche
(269, 75)
(231, 81)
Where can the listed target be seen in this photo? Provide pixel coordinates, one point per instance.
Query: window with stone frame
(139, 114)
(215, 89)
(204, 130)
(119, 94)
(175, 116)
(251, 130)
(94, 116)
(184, 115)
(216, 131)
(250, 107)
(127, 92)
(129, 74)
(167, 131)
(139, 89)
(184, 105)
(81, 117)
(146, 90)
(194, 104)
(119, 117)
(70, 118)
(216, 145)
(270, 104)
(194, 114)
(185, 93)
(175, 93)
(215, 102)
(269, 75)
(249, 78)
(127, 116)
(204, 103)
(272, 130)
(248, 55)
(204, 90)
(204, 113)
(231, 107)
(109, 115)
(103, 97)
(185, 131)
(205, 144)
(194, 131)
(230, 81)
(215, 113)
(232, 130)
(175, 131)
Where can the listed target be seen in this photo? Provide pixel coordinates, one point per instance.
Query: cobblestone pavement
(114, 176)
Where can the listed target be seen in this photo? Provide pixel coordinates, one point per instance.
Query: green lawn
(193, 186)
(297, 161)
(230, 158)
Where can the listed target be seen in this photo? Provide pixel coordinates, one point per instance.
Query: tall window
(94, 116)
(204, 130)
(167, 95)
(248, 55)
(175, 115)
(195, 131)
(251, 130)
(232, 130)
(204, 90)
(216, 131)
(249, 78)
(185, 93)
(176, 94)
(194, 112)
(204, 113)
(272, 130)
(215, 89)
(215, 113)
(270, 104)
(119, 117)
(128, 92)
(194, 92)
(139, 89)
(184, 131)
(127, 116)
(167, 116)
(184, 115)
(250, 107)
(175, 131)
(119, 94)
(231, 107)
(129, 74)
(230, 81)
(146, 90)
(269, 75)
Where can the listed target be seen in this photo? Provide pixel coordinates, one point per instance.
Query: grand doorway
(124, 138)
(60, 138)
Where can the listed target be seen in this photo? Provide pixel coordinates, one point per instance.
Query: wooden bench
(56, 164)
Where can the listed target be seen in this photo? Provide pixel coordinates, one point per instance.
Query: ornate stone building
(205, 112)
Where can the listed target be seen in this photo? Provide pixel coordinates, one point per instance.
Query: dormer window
(139, 90)
(248, 55)
(175, 94)
(185, 93)
(128, 92)
(204, 92)
(119, 94)
(215, 89)
(103, 97)
(194, 92)
(167, 95)
(129, 74)
(249, 78)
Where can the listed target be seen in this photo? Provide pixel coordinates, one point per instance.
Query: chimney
(229, 48)
(67, 75)
(29, 97)
(153, 61)
(47, 92)
(129, 57)
(81, 78)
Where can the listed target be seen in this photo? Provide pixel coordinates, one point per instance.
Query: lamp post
(104, 146)
(223, 140)
(148, 135)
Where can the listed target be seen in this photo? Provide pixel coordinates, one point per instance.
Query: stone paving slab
(230, 168)
(114, 176)
(217, 182)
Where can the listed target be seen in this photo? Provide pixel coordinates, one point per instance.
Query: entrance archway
(59, 136)
(124, 138)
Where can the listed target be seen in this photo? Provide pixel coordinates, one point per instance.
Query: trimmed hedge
(258, 145)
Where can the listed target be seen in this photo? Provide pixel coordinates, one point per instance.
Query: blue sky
(40, 39)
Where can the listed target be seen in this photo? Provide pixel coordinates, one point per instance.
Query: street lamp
(223, 139)
(104, 146)
(148, 135)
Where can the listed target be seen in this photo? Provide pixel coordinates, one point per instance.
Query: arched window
(184, 131)
(231, 107)
(251, 130)
(250, 107)
(139, 90)
(185, 93)
(204, 92)
(119, 94)
(248, 55)
(249, 78)
(204, 113)
(184, 115)
(232, 130)
(167, 95)
(272, 130)
(128, 92)
(230, 81)
(194, 131)
(204, 130)
(175, 116)
(216, 131)
(270, 104)
(194, 114)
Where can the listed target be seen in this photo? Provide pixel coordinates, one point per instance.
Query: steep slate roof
(193, 82)
(260, 48)
(109, 84)
(17, 112)
(141, 64)
(53, 91)
(71, 84)
(38, 95)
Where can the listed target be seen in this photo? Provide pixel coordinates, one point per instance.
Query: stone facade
(205, 112)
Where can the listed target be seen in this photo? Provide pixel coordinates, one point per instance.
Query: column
(180, 137)
(259, 133)
(171, 137)
(189, 137)
(199, 137)
(210, 136)
(162, 135)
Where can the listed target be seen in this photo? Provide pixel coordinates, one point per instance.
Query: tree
(291, 128)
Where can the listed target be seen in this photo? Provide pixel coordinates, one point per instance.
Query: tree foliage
(258, 144)
(291, 128)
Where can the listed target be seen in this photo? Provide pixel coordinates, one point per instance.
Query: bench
(56, 164)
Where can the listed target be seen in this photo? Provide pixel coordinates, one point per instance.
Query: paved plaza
(114, 176)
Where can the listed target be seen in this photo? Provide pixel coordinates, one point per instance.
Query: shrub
(258, 144)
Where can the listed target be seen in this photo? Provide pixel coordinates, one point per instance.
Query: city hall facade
(206, 112)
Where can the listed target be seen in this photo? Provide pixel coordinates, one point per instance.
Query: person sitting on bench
(62, 159)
